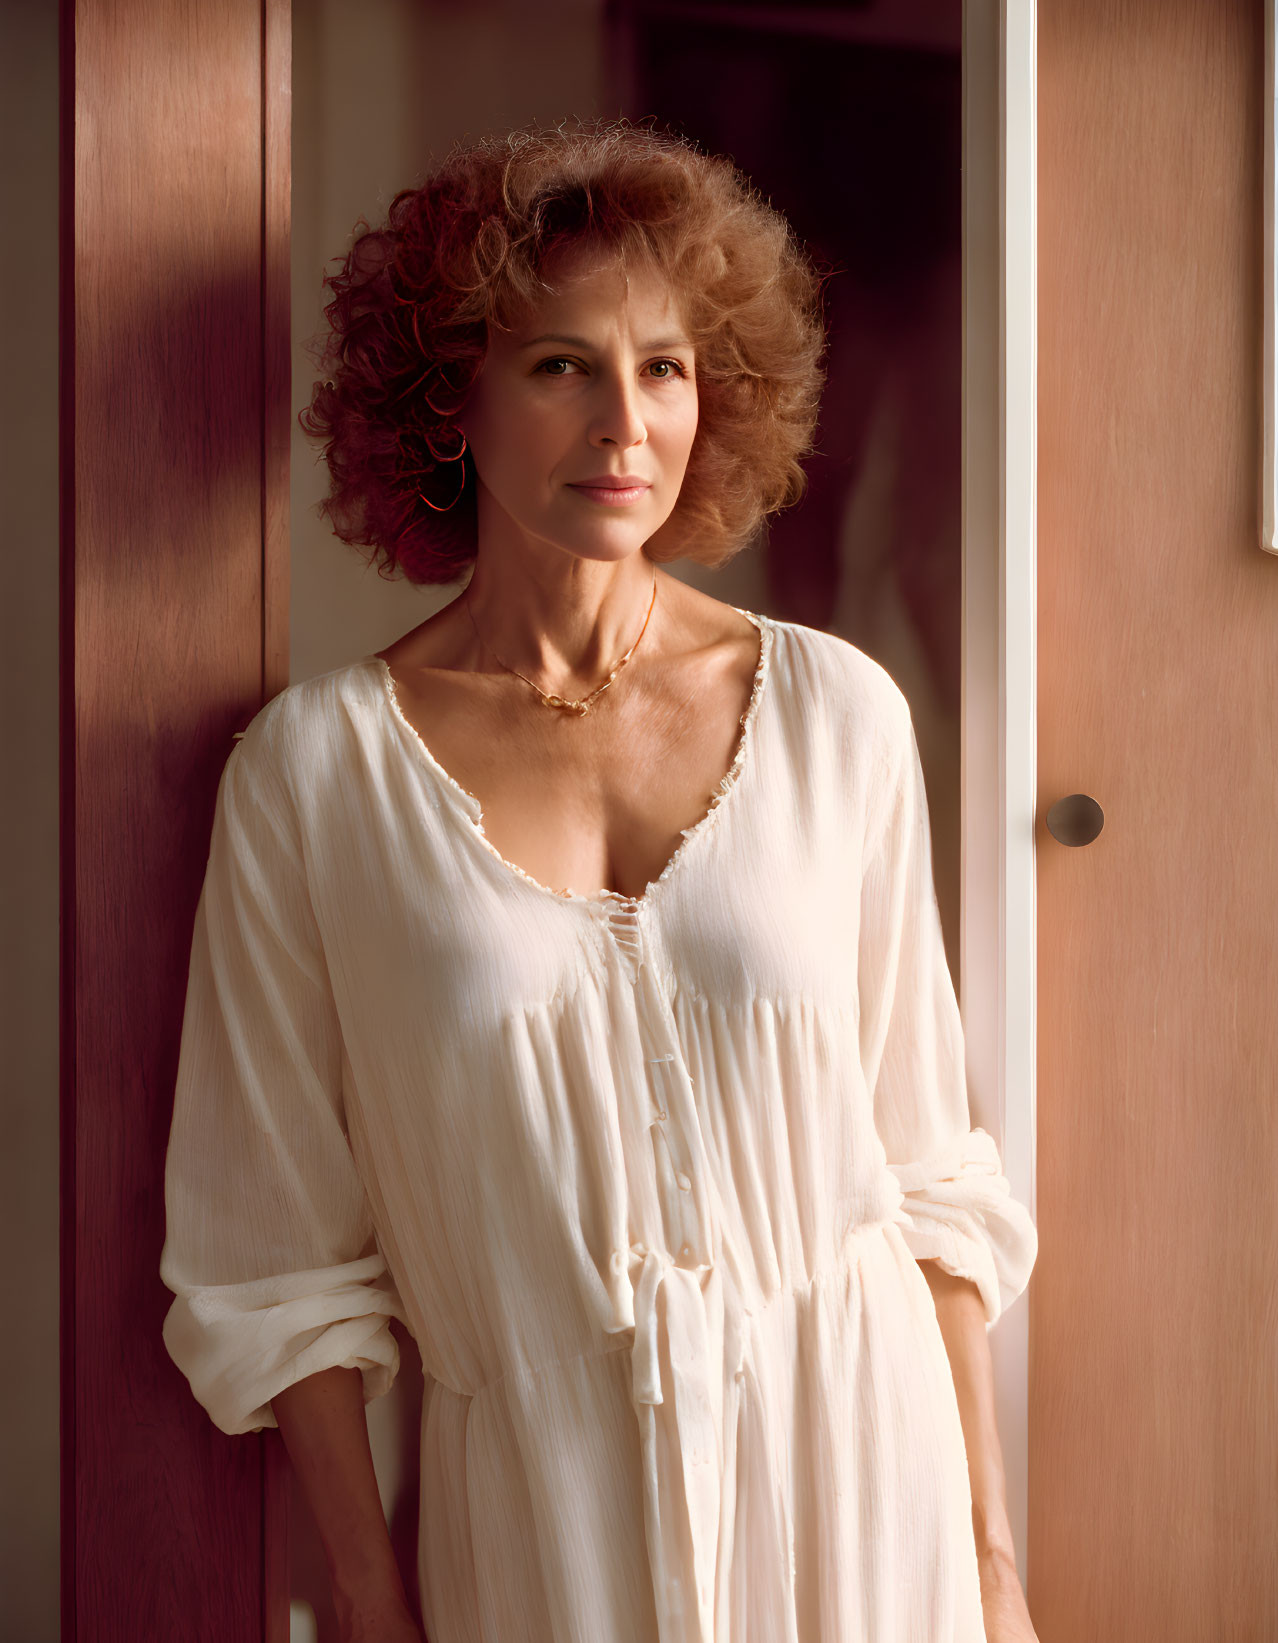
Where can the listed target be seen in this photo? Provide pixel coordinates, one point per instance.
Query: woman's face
(595, 387)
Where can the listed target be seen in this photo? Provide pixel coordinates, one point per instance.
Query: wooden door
(1154, 1354)
(174, 427)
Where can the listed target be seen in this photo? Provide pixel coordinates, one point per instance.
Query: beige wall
(29, 829)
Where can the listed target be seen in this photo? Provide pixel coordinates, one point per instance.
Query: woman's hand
(1007, 1616)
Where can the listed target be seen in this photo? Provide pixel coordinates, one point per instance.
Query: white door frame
(999, 705)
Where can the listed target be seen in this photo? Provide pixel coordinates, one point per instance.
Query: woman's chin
(607, 539)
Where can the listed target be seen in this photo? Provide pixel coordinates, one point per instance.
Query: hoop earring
(441, 410)
(461, 469)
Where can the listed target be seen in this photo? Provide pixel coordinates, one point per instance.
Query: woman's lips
(612, 496)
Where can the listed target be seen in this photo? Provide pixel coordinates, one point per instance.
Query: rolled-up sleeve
(958, 1207)
(270, 1251)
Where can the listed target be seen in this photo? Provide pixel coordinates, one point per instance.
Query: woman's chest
(422, 919)
(601, 800)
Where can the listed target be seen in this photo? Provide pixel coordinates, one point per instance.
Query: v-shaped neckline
(472, 815)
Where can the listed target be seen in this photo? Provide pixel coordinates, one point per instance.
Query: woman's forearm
(961, 1315)
(324, 1428)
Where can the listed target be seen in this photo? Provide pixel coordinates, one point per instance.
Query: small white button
(662, 1113)
(685, 1185)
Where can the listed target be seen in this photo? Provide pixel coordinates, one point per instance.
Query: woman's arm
(961, 1315)
(321, 1419)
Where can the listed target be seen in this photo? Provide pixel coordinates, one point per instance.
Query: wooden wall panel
(174, 416)
(1154, 1354)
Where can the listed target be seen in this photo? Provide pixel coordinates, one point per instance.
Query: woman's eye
(663, 369)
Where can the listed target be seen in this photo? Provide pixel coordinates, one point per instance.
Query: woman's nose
(617, 416)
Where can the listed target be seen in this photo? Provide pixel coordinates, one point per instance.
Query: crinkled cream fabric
(647, 1179)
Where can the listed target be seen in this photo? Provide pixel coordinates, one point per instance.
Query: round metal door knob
(1075, 820)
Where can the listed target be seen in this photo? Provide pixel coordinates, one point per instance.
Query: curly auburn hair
(466, 249)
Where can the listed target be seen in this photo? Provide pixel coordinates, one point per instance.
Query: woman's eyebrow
(581, 342)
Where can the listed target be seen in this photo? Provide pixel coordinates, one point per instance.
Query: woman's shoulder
(306, 726)
(830, 673)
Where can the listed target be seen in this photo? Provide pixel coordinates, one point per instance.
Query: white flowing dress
(647, 1179)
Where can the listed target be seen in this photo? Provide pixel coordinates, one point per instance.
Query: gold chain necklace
(582, 705)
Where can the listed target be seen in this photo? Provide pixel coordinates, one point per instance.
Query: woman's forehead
(592, 283)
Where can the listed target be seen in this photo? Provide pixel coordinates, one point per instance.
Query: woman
(568, 980)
